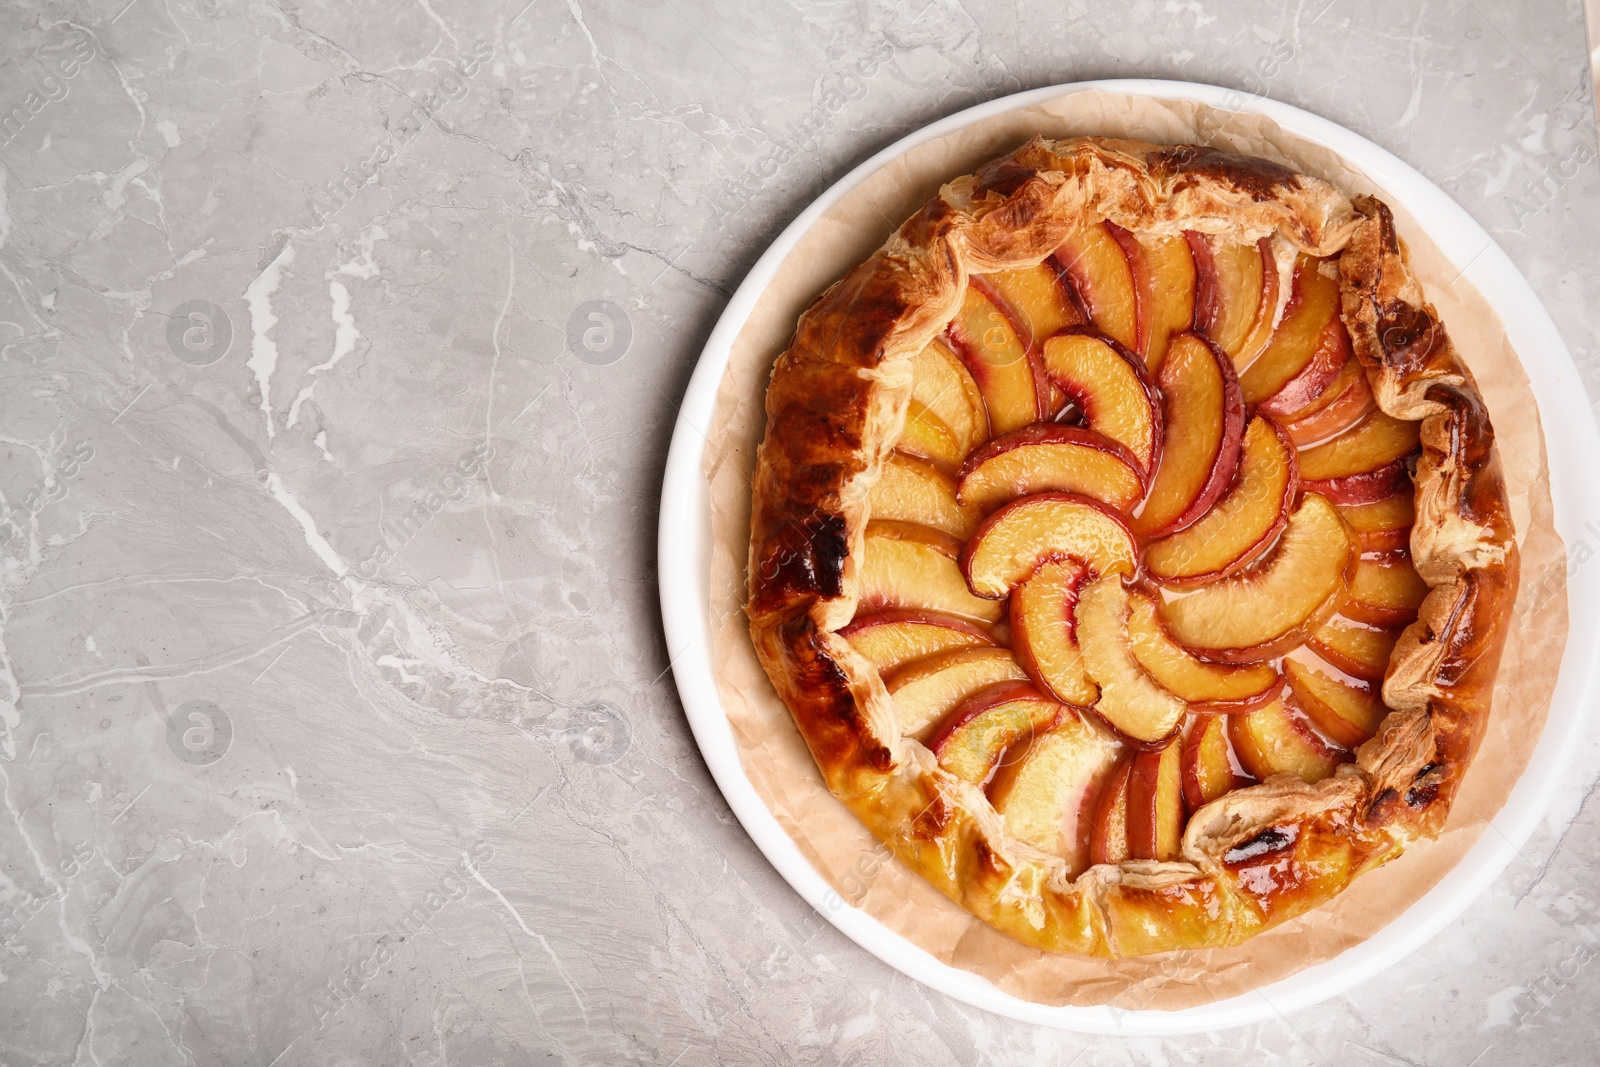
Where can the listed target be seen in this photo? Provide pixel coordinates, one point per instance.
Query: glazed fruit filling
(1143, 541)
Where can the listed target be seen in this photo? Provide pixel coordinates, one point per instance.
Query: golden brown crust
(835, 408)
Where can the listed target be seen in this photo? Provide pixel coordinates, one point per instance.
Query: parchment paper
(862, 870)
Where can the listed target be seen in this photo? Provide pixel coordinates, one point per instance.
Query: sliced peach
(1242, 525)
(1044, 631)
(1166, 288)
(1110, 385)
(945, 388)
(987, 726)
(1102, 278)
(914, 490)
(894, 637)
(928, 689)
(1230, 281)
(1139, 272)
(1048, 457)
(1130, 700)
(1205, 281)
(1386, 591)
(1039, 299)
(1244, 706)
(1015, 540)
(1261, 332)
(898, 530)
(1349, 400)
(1305, 387)
(1366, 487)
(901, 568)
(1279, 740)
(1347, 714)
(1264, 611)
(1359, 651)
(1375, 442)
(929, 437)
(988, 344)
(1383, 525)
(1204, 424)
(1295, 342)
(1155, 803)
(1208, 763)
(1192, 680)
(1047, 798)
(1348, 370)
(1108, 842)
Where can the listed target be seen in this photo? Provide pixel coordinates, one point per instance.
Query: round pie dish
(1154, 894)
(1035, 394)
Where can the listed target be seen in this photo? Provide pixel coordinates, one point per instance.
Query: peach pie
(1130, 547)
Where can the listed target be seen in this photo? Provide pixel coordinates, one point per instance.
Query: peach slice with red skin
(1048, 797)
(1109, 840)
(1329, 357)
(1155, 803)
(915, 568)
(927, 436)
(914, 490)
(1383, 525)
(1348, 369)
(928, 689)
(1165, 282)
(1044, 631)
(1267, 610)
(944, 388)
(1112, 388)
(1378, 440)
(1241, 707)
(1295, 341)
(894, 637)
(1360, 651)
(1208, 763)
(1139, 275)
(1266, 324)
(1039, 300)
(1386, 591)
(982, 335)
(1203, 686)
(1348, 400)
(1049, 457)
(899, 530)
(1130, 700)
(1349, 715)
(985, 728)
(1243, 523)
(1012, 543)
(1363, 488)
(1103, 281)
(1203, 417)
(1230, 289)
(1280, 740)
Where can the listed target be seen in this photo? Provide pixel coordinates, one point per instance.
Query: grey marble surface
(336, 723)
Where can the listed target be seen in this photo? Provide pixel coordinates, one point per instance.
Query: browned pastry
(1088, 516)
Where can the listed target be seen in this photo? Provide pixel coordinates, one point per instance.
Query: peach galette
(1129, 545)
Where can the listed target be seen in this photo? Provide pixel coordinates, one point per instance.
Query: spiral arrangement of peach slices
(1143, 540)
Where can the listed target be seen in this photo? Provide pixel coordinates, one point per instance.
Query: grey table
(339, 349)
